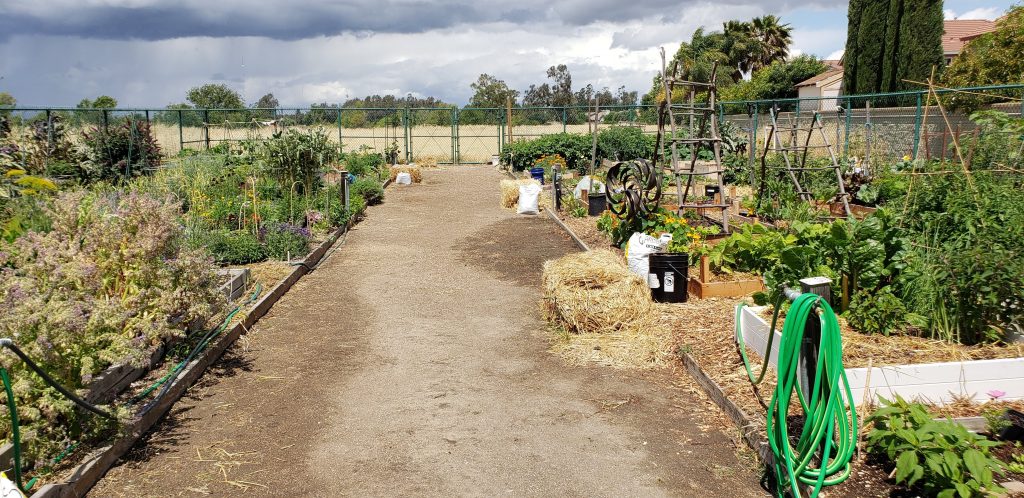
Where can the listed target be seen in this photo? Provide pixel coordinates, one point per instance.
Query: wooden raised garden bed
(702, 286)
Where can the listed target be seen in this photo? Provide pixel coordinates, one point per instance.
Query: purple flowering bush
(111, 281)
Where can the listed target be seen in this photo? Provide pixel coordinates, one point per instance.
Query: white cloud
(834, 56)
(990, 13)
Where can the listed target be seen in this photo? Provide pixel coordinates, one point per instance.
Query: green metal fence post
(501, 132)
(917, 126)
(565, 119)
(849, 119)
(406, 130)
(106, 120)
(181, 131)
(455, 133)
(753, 139)
(341, 146)
(206, 127)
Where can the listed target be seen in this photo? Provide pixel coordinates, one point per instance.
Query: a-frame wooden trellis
(703, 133)
(794, 153)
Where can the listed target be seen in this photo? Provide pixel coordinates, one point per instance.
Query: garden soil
(414, 362)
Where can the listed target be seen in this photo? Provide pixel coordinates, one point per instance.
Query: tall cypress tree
(891, 50)
(872, 41)
(889, 41)
(921, 48)
(852, 46)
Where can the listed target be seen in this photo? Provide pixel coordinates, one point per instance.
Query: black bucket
(596, 205)
(668, 277)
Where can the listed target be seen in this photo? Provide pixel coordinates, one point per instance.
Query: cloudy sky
(150, 52)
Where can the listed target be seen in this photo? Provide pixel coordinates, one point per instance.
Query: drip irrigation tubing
(829, 436)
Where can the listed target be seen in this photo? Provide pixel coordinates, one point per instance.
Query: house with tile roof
(958, 32)
(820, 92)
(822, 89)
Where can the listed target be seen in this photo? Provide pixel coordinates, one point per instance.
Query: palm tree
(774, 39)
(740, 47)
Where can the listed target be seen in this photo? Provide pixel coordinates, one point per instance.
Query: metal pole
(821, 286)
(565, 119)
(206, 127)
(849, 118)
(340, 145)
(917, 127)
(753, 142)
(106, 120)
(181, 132)
(455, 135)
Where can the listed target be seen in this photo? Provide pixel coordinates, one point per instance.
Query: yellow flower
(906, 158)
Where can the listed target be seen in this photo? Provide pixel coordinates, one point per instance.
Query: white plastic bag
(403, 179)
(529, 197)
(590, 185)
(640, 247)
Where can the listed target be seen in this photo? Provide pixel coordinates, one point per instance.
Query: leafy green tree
(268, 101)
(101, 102)
(740, 47)
(215, 96)
(6, 100)
(990, 59)
(561, 89)
(489, 91)
(777, 81)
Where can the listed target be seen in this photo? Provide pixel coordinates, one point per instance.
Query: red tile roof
(959, 32)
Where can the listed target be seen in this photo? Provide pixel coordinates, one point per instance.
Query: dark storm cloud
(281, 20)
(301, 19)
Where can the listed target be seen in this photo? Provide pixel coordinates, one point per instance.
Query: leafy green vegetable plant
(940, 458)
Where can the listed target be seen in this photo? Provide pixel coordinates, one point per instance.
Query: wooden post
(821, 286)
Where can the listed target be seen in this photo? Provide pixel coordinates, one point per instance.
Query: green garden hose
(170, 376)
(828, 432)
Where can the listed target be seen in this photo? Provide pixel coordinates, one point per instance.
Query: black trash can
(668, 277)
(596, 204)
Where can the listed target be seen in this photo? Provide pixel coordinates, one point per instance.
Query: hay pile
(604, 311)
(413, 170)
(510, 191)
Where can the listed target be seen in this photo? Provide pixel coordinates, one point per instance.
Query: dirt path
(414, 362)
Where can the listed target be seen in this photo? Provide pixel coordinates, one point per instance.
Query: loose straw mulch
(604, 312)
(427, 162)
(510, 191)
(413, 170)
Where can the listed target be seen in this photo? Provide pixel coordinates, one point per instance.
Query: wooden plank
(579, 242)
(750, 430)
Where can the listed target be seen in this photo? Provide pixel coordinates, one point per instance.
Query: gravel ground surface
(415, 362)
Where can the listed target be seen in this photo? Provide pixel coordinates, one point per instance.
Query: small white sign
(670, 282)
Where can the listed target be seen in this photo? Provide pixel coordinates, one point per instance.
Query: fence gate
(478, 134)
(432, 133)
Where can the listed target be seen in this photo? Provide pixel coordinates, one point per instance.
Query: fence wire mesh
(867, 129)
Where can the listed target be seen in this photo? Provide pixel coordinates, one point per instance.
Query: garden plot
(116, 278)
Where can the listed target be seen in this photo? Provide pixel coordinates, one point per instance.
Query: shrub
(238, 247)
(623, 143)
(284, 240)
(369, 189)
(364, 164)
(574, 148)
(940, 458)
(108, 283)
(120, 152)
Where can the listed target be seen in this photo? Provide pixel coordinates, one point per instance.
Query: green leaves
(938, 458)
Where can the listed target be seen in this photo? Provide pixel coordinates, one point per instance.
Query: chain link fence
(867, 129)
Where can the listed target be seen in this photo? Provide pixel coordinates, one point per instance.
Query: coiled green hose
(829, 434)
